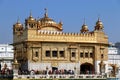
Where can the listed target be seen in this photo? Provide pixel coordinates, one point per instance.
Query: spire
(46, 14)
(84, 22)
(30, 16)
(99, 21)
(98, 18)
(18, 20)
(30, 13)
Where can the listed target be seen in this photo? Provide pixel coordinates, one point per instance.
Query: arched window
(91, 55)
(86, 55)
(81, 54)
(102, 56)
(47, 53)
(73, 54)
(36, 54)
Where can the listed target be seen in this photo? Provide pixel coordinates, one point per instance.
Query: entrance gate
(87, 68)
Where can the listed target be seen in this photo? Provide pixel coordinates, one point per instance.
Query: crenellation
(66, 34)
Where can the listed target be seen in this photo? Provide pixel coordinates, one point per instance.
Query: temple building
(41, 44)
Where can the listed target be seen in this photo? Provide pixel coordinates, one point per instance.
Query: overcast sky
(70, 12)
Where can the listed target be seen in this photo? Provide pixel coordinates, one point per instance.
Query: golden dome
(84, 28)
(18, 23)
(46, 19)
(18, 26)
(30, 18)
(48, 22)
(99, 25)
(99, 22)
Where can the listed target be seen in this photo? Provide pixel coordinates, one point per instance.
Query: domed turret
(30, 22)
(18, 24)
(84, 28)
(30, 18)
(17, 27)
(99, 25)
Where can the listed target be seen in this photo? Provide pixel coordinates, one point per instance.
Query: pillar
(15, 68)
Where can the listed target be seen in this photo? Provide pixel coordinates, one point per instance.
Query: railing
(58, 76)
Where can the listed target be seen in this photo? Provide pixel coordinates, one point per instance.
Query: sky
(71, 12)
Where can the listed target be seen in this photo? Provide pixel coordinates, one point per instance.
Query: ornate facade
(41, 44)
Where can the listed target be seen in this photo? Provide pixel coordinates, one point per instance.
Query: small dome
(84, 28)
(99, 25)
(18, 26)
(18, 23)
(30, 18)
(99, 22)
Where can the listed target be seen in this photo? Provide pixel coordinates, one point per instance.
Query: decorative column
(47, 72)
(15, 68)
(75, 73)
(102, 67)
(115, 70)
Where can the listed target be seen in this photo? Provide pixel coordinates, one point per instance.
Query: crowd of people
(6, 72)
(44, 72)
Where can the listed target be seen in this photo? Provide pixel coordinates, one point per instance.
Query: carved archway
(86, 68)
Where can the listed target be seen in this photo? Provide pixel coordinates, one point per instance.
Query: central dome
(48, 23)
(46, 19)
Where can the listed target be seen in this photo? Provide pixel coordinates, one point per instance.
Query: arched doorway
(86, 68)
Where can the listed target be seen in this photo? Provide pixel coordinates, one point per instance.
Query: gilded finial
(84, 22)
(18, 20)
(98, 17)
(61, 22)
(46, 14)
(30, 13)
(15, 61)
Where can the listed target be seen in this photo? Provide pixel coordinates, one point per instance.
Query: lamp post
(47, 71)
(102, 67)
(75, 74)
(15, 66)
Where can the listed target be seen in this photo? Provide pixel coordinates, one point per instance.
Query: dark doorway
(54, 70)
(86, 68)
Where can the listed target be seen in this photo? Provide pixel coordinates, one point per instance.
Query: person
(32, 72)
(5, 70)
